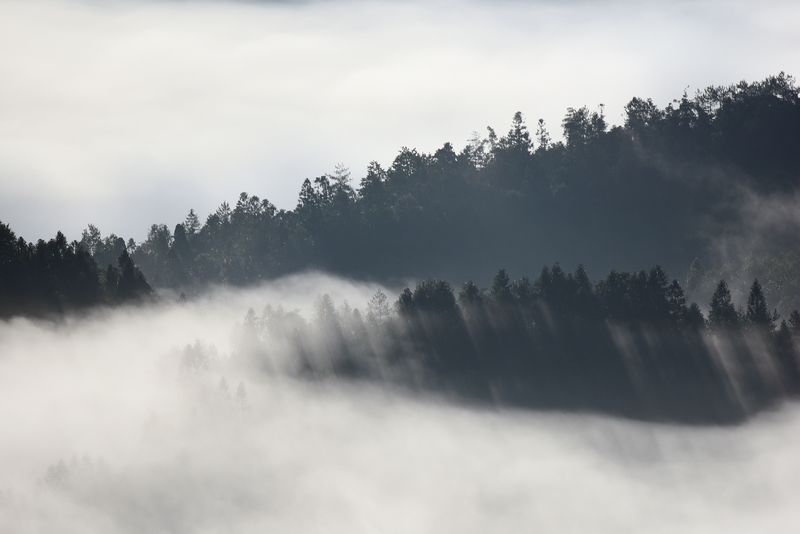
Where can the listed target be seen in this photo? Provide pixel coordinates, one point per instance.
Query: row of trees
(53, 276)
(629, 344)
(664, 185)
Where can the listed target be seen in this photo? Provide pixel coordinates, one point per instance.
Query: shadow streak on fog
(105, 431)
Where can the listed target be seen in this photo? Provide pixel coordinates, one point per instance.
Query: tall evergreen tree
(132, 285)
(501, 286)
(757, 313)
(722, 313)
(192, 223)
(676, 302)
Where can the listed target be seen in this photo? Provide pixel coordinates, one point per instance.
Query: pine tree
(676, 302)
(341, 176)
(694, 317)
(378, 307)
(132, 284)
(518, 137)
(722, 313)
(192, 223)
(405, 303)
(586, 304)
(757, 313)
(470, 294)
(542, 136)
(308, 201)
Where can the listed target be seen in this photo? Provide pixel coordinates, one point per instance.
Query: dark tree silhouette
(131, 284)
(628, 345)
(757, 313)
(54, 276)
(722, 312)
(625, 196)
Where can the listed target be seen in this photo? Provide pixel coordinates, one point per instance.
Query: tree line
(629, 344)
(662, 187)
(50, 277)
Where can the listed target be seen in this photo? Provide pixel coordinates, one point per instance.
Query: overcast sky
(126, 113)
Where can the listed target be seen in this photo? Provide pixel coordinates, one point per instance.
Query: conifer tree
(757, 312)
(722, 313)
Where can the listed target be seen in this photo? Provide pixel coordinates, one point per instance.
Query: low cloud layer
(128, 113)
(109, 429)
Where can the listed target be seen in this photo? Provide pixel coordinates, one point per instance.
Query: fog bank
(112, 426)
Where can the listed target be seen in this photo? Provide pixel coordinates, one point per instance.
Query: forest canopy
(47, 278)
(630, 344)
(683, 186)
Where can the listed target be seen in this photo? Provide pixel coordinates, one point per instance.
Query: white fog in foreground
(148, 446)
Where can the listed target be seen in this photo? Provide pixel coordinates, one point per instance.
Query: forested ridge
(668, 186)
(47, 278)
(674, 186)
(629, 344)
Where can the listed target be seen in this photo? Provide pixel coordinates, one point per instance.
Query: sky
(126, 113)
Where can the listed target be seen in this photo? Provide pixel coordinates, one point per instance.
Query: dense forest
(629, 345)
(51, 277)
(684, 186)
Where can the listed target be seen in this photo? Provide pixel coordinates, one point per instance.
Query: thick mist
(146, 420)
